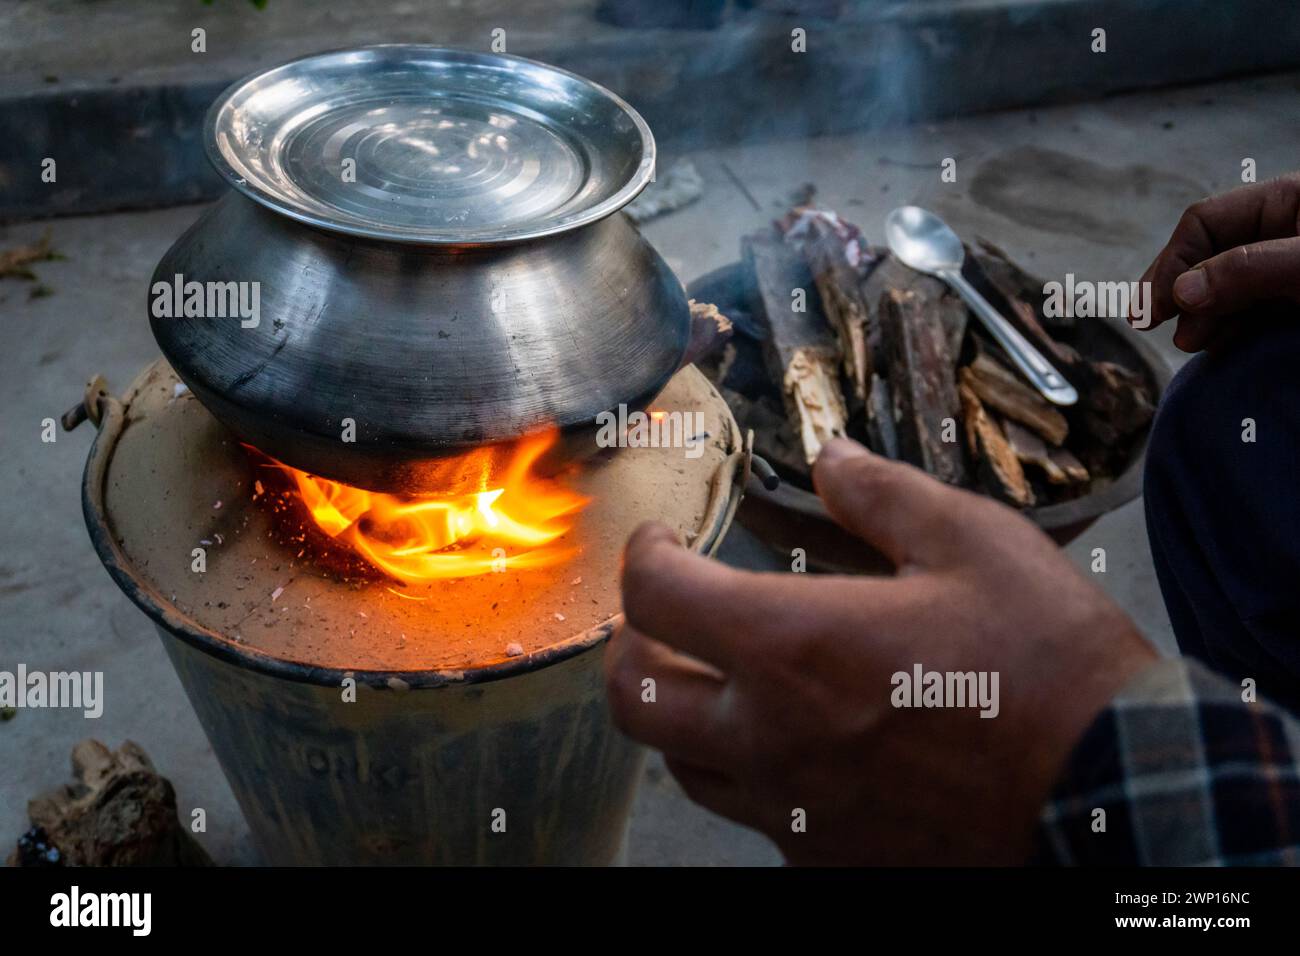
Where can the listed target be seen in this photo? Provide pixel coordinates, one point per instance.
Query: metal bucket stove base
(453, 750)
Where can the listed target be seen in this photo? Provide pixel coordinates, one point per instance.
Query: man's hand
(1228, 254)
(772, 691)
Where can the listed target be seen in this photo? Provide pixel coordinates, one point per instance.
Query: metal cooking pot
(430, 241)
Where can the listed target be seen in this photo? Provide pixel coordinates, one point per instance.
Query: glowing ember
(425, 538)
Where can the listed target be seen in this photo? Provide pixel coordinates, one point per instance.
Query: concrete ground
(1091, 189)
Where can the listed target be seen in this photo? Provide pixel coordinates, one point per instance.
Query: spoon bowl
(923, 241)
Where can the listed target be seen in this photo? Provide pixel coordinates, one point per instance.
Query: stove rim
(165, 615)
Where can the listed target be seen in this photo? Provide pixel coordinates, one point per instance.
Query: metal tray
(792, 517)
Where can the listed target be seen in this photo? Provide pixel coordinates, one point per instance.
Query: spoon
(924, 242)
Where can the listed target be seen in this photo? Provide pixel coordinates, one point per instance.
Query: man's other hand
(1229, 256)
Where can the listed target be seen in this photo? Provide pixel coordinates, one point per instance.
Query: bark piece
(801, 348)
(921, 381)
(954, 317)
(1064, 460)
(811, 385)
(882, 433)
(1020, 299)
(889, 274)
(1001, 389)
(710, 329)
(996, 463)
(118, 812)
(1014, 283)
(1058, 465)
(841, 298)
(1117, 402)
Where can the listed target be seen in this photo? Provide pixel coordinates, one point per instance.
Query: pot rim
(629, 190)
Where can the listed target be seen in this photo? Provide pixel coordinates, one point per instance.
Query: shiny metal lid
(421, 144)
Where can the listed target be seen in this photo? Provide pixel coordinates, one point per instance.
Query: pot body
(519, 771)
(383, 364)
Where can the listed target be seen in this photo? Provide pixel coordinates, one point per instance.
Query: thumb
(901, 511)
(1234, 281)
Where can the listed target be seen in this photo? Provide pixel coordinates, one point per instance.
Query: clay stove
(364, 719)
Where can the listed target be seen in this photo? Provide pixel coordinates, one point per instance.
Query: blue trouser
(1223, 514)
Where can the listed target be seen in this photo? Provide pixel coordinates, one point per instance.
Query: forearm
(1178, 770)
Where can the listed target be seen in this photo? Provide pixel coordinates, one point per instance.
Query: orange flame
(424, 538)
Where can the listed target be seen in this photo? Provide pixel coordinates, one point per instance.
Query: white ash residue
(680, 186)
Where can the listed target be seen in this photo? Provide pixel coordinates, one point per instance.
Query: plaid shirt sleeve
(1186, 774)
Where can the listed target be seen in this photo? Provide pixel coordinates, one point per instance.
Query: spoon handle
(1029, 360)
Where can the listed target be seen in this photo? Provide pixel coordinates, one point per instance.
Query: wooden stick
(801, 348)
(889, 274)
(997, 465)
(1015, 284)
(1057, 464)
(1000, 388)
(1004, 288)
(811, 384)
(837, 284)
(926, 406)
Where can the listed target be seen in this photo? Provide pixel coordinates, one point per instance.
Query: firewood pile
(842, 339)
